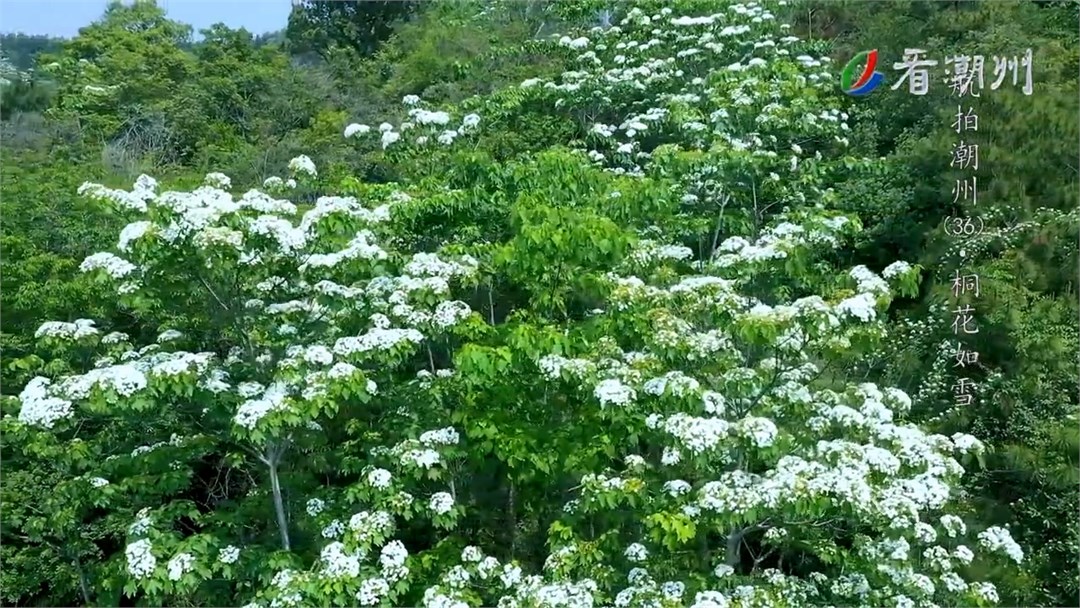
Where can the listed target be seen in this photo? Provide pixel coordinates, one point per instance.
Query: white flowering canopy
(722, 452)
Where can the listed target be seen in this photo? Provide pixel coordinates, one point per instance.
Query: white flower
(487, 567)
(39, 407)
(441, 503)
(337, 563)
(953, 582)
(614, 392)
(389, 137)
(113, 265)
(372, 591)
(282, 579)
(673, 590)
(510, 576)
(761, 431)
(862, 307)
(895, 269)
(425, 117)
(636, 553)
(670, 456)
(967, 443)
(471, 554)
(953, 525)
(998, 539)
(457, 577)
(424, 459)
(379, 478)
(142, 523)
(576, 43)
(444, 436)
(315, 506)
(963, 554)
(334, 529)
(868, 282)
(676, 487)
(303, 164)
(229, 554)
(985, 591)
(169, 335)
(925, 533)
(356, 129)
(133, 232)
(217, 180)
(140, 561)
(393, 556)
(470, 121)
(179, 565)
(775, 533)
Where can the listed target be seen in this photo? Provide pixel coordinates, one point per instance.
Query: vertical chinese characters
(964, 75)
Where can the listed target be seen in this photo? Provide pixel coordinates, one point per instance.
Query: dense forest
(529, 303)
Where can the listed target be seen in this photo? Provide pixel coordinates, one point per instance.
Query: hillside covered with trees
(528, 303)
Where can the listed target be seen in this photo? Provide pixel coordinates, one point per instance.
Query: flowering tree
(646, 343)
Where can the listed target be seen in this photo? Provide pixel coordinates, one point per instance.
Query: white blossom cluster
(362, 554)
(76, 330)
(140, 559)
(254, 230)
(999, 539)
(303, 164)
(676, 63)
(749, 427)
(848, 448)
(429, 125)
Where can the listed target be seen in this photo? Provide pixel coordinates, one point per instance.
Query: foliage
(22, 49)
(318, 25)
(523, 304)
(1025, 259)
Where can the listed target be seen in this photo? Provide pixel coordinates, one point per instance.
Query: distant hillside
(21, 49)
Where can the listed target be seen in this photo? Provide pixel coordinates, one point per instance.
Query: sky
(65, 17)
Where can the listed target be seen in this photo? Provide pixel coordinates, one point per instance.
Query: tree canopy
(537, 304)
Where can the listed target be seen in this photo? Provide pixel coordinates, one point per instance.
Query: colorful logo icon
(867, 81)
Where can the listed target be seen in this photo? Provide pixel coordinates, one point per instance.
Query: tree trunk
(512, 519)
(83, 584)
(279, 506)
(734, 540)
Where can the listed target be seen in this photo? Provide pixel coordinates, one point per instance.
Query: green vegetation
(514, 303)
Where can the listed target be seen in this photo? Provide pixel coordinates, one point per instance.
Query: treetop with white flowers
(644, 339)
